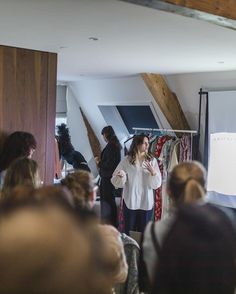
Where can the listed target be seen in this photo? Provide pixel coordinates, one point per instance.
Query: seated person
(17, 145)
(23, 171)
(44, 250)
(198, 255)
(186, 184)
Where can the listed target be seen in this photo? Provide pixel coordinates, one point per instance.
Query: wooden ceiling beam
(167, 101)
(222, 8)
(220, 12)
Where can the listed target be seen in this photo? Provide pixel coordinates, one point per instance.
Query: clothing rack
(191, 132)
(165, 130)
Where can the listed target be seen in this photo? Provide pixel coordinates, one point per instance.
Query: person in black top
(110, 157)
(67, 151)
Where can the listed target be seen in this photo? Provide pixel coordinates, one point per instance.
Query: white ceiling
(132, 39)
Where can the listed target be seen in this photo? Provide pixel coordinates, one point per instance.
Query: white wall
(77, 128)
(132, 90)
(187, 86)
(61, 99)
(120, 91)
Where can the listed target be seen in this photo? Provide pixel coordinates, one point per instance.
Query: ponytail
(193, 191)
(186, 182)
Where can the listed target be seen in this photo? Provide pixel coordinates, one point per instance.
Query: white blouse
(138, 184)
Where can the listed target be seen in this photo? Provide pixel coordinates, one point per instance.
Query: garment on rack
(185, 148)
(166, 158)
(158, 193)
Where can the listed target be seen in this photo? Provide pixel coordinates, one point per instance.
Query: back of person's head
(114, 259)
(109, 133)
(20, 196)
(44, 250)
(18, 144)
(23, 171)
(55, 195)
(81, 185)
(198, 254)
(186, 182)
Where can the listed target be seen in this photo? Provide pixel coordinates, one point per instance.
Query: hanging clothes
(185, 148)
(158, 193)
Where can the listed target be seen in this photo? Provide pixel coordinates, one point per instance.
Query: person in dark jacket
(110, 157)
(67, 151)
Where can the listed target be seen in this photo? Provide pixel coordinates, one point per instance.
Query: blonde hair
(23, 171)
(186, 183)
(114, 259)
(80, 183)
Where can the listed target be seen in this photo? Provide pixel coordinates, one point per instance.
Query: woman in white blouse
(138, 173)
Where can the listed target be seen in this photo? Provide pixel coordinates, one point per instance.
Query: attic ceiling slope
(221, 12)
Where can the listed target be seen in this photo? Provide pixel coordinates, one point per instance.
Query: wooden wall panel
(51, 113)
(28, 99)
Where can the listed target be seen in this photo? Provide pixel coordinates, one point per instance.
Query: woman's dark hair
(110, 135)
(64, 140)
(198, 254)
(186, 182)
(18, 144)
(133, 150)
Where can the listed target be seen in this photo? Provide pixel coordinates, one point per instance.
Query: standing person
(67, 150)
(110, 158)
(139, 174)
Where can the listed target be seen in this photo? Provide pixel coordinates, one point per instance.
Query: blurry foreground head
(199, 254)
(23, 171)
(43, 250)
(114, 258)
(54, 195)
(81, 185)
(186, 183)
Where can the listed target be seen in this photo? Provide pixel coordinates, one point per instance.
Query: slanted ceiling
(225, 8)
(221, 12)
(166, 100)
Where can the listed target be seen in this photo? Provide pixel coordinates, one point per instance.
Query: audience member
(81, 185)
(186, 184)
(43, 250)
(115, 259)
(18, 144)
(23, 171)
(198, 255)
(55, 195)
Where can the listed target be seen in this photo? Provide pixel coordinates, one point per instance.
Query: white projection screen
(221, 183)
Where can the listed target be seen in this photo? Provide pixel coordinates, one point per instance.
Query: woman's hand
(120, 173)
(97, 160)
(147, 165)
